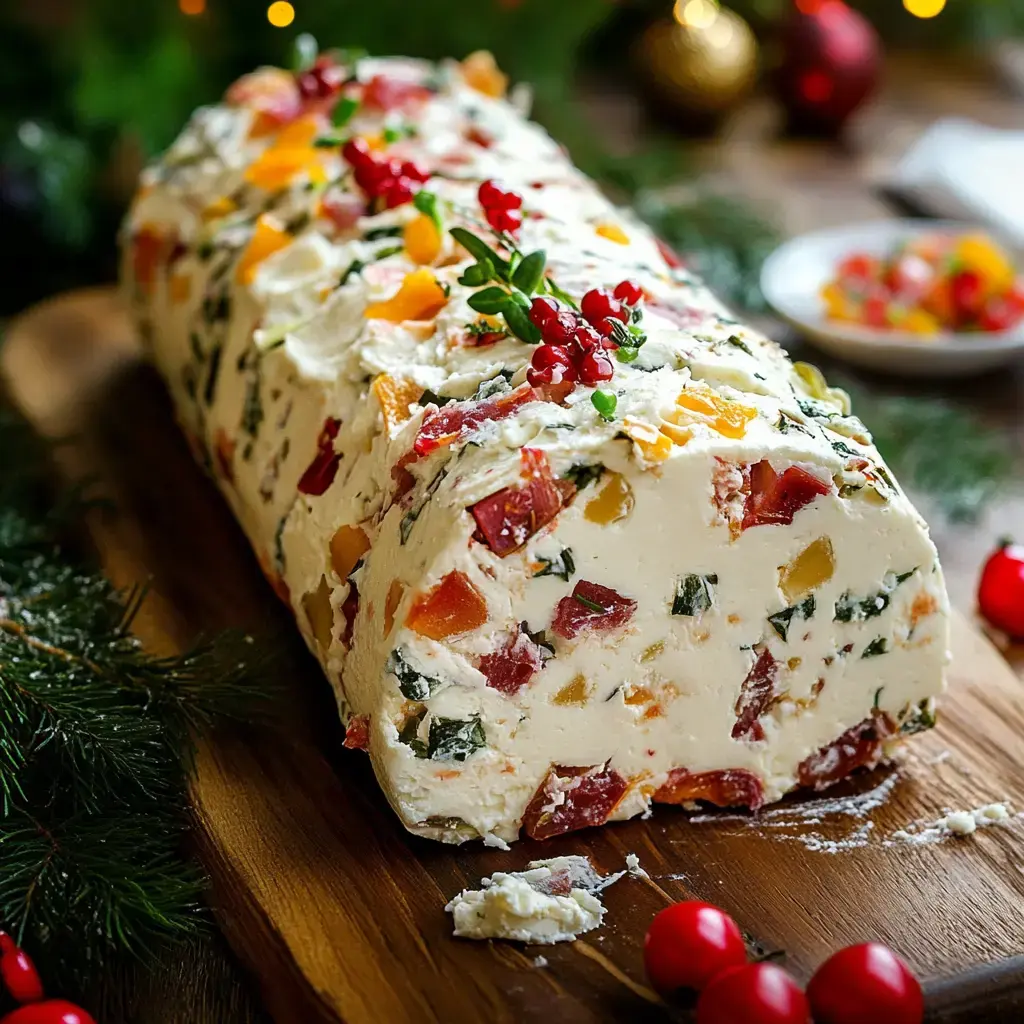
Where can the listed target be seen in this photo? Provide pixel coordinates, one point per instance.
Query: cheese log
(538, 612)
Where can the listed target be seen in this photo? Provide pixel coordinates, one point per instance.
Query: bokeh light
(924, 8)
(280, 14)
(696, 13)
(192, 7)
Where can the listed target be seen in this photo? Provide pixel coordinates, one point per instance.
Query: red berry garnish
(542, 309)
(596, 366)
(560, 328)
(414, 170)
(399, 192)
(555, 374)
(551, 355)
(505, 220)
(605, 327)
(628, 292)
(370, 176)
(584, 339)
(52, 1011)
(754, 994)
(18, 973)
(689, 943)
(493, 197)
(599, 303)
(865, 984)
(1001, 591)
(321, 81)
(356, 152)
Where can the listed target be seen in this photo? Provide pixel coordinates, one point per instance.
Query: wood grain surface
(340, 912)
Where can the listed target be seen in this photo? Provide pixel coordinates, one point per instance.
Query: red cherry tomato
(755, 994)
(1001, 591)
(688, 943)
(53, 1011)
(999, 314)
(876, 311)
(968, 291)
(865, 984)
(858, 267)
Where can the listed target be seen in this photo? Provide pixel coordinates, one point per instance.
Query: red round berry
(414, 170)
(596, 366)
(628, 292)
(560, 328)
(399, 192)
(755, 994)
(556, 373)
(1001, 591)
(370, 176)
(493, 197)
(321, 81)
(605, 327)
(584, 339)
(505, 220)
(52, 1011)
(19, 974)
(357, 152)
(542, 309)
(865, 984)
(551, 355)
(690, 942)
(599, 303)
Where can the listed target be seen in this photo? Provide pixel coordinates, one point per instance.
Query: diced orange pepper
(148, 248)
(348, 545)
(481, 72)
(453, 606)
(179, 287)
(422, 239)
(919, 321)
(290, 153)
(395, 395)
(419, 298)
(984, 256)
(614, 501)
(613, 233)
(702, 404)
(219, 208)
(267, 239)
(653, 445)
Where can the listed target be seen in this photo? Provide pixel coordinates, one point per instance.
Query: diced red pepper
(383, 92)
(513, 665)
(859, 747)
(459, 419)
(591, 608)
(451, 607)
(732, 787)
(572, 798)
(755, 697)
(508, 518)
(357, 733)
(669, 255)
(320, 473)
(774, 498)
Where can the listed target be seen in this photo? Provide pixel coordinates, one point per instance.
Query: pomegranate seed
(399, 192)
(411, 169)
(560, 328)
(599, 303)
(550, 355)
(493, 197)
(356, 152)
(628, 292)
(505, 220)
(321, 81)
(372, 177)
(596, 366)
(542, 309)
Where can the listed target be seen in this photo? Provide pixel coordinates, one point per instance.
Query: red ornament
(688, 944)
(1001, 591)
(18, 973)
(755, 994)
(53, 1011)
(830, 64)
(865, 983)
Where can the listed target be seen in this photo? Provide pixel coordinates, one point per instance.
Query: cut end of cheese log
(541, 609)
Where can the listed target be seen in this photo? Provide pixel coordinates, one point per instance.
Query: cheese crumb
(490, 839)
(960, 823)
(633, 866)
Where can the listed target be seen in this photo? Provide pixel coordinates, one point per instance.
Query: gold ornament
(701, 62)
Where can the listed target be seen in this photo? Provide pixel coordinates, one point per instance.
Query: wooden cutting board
(340, 912)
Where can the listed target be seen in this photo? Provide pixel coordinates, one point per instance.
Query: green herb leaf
(344, 111)
(694, 594)
(426, 203)
(393, 231)
(433, 398)
(587, 603)
(409, 519)
(455, 739)
(583, 474)
(413, 684)
(787, 424)
(409, 733)
(561, 566)
(560, 293)
(859, 609)
(530, 272)
(328, 142)
(605, 402)
(520, 324)
(478, 274)
(480, 251)
(781, 621)
(490, 300)
(737, 342)
(876, 647)
(919, 718)
(355, 267)
(305, 51)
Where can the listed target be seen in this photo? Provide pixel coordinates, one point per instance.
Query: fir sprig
(96, 737)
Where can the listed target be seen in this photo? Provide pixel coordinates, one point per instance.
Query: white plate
(792, 279)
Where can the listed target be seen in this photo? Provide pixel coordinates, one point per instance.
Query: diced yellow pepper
(702, 404)
(395, 396)
(348, 545)
(267, 239)
(653, 445)
(613, 502)
(920, 321)
(419, 298)
(422, 239)
(481, 72)
(982, 255)
(810, 569)
(219, 208)
(613, 233)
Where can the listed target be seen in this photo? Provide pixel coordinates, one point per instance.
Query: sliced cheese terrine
(565, 536)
